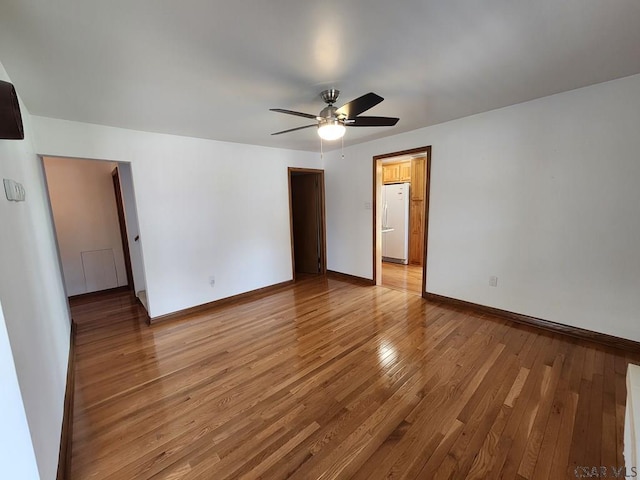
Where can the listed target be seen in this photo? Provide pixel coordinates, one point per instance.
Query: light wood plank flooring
(328, 379)
(407, 278)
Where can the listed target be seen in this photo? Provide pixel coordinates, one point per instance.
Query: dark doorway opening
(307, 217)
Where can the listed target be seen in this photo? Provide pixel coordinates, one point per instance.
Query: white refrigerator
(395, 223)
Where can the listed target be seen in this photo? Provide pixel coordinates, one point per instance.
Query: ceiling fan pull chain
(342, 147)
(321, 152)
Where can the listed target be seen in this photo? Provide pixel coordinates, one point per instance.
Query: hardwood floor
(407, 278)
(328, 379)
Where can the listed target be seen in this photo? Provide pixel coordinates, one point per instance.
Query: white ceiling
(212, 69)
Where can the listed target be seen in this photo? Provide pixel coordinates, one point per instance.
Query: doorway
(93, 209)
(401, 182)
(307, 221)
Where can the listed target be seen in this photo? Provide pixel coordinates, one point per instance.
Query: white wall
(33, 300)
(543, 194)
(85, 216)
(205, 208)
(133, 230)
(17, 457)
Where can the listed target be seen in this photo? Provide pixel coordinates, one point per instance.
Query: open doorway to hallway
(94, 213)
(307, 218)
(401, 206)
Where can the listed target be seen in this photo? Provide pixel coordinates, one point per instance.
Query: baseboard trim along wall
(350, 278)
(576, 332)
(253, 294)
(64, 457)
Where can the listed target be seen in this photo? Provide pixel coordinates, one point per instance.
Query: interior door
(305, 208)
(115, 175)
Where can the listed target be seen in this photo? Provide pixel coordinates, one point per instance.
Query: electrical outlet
(493, 281)
(367, 205)
(212, 280)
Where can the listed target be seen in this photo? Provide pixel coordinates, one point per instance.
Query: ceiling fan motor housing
(330, 96)
(328, 113)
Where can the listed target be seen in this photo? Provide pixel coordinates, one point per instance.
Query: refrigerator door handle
(385, 217)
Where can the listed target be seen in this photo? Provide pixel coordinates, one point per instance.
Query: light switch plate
(9, 189)
(20, 192)
(13, 190)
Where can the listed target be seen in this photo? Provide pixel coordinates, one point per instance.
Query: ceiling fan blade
(372, 122)
(294, 129)
(291, 112)
(359, 105)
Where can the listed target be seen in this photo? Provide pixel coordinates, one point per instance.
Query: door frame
(322, 225)
(124, 234)
(377, 193)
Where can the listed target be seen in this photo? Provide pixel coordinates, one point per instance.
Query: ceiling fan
(331, 121)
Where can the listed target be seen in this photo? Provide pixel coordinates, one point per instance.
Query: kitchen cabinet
(417, 179)
(416, 211)
(391, 173)
(416, 232)
(405, 172)
(399, 172)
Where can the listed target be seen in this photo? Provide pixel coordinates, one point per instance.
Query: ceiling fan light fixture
(331, 130)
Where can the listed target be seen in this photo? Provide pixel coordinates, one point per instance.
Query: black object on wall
(10, 118)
